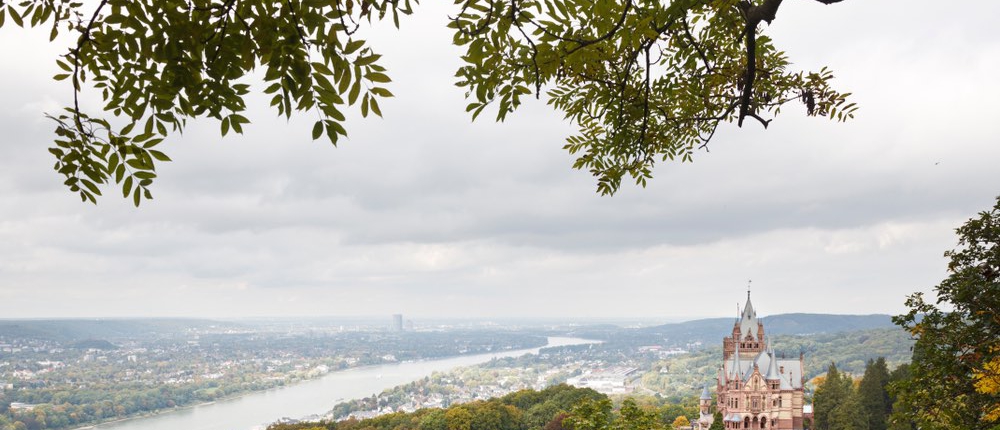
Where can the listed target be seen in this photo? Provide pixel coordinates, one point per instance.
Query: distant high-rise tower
(397, 322)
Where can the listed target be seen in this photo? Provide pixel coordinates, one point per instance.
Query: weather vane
(748, 288)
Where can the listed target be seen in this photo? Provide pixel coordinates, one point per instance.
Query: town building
(756, 388)
(614, 380)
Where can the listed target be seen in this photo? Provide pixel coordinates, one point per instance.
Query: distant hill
(711, 330)
(823, 323)
(77, 330)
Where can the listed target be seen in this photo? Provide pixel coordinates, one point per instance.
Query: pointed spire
(737, 368)
(772, 368)
(705, 394)
(748, 319)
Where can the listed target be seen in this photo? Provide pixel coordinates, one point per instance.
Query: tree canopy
(643, 81)
(955, 376)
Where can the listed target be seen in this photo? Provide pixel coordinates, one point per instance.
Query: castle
(756, 388)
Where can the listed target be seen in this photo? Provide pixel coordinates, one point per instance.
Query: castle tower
(748, 333)
(756, 389)
(705, 401)
(705, 417)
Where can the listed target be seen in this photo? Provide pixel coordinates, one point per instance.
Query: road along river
(314, 397)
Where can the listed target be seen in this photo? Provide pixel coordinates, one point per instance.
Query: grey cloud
(428, 212)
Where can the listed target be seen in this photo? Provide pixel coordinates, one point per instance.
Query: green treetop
(955, 373)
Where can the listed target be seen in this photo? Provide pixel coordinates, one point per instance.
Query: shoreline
(285, 385)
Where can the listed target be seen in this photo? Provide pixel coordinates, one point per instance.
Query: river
(311, 397)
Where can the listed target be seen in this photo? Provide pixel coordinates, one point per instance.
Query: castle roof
(772, 367)
(748, 319)
(736, 370)
(704, 394)
(788, 371)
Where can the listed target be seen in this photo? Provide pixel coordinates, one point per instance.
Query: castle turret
(773, 378)
(706, 400)
(705, 417)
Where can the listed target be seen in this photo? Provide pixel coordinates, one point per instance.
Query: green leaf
(15, 17)
(353, 46)
(364, 61)
(321, 68)
(127, 187)
(353, 95)
(90, 186)
(159, 155)
(381, 92)
(317, 130)
(378, 77)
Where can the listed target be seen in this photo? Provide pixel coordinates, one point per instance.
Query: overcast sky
(427, 214)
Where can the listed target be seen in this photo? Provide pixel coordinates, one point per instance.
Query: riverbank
(308, 397)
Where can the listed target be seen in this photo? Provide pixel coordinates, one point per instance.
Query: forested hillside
(553, 408)
(710, 330)
(684, 375)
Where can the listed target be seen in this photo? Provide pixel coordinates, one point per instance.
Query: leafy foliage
(958, 339)
(643, 80)
(830, 395)
(564, 407)
(841, 404)
(873, 395)
(158, 63)
(717, 421)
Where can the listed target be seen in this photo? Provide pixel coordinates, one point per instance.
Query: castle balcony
(756, 405)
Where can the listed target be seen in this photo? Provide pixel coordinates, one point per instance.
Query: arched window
(746, 422)
(763, 422)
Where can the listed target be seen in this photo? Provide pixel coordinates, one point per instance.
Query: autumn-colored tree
(590, 414)
(557, 422)
(987, 382)
(458, 418)
(954, 368)
(680, 422)
(634, 417)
